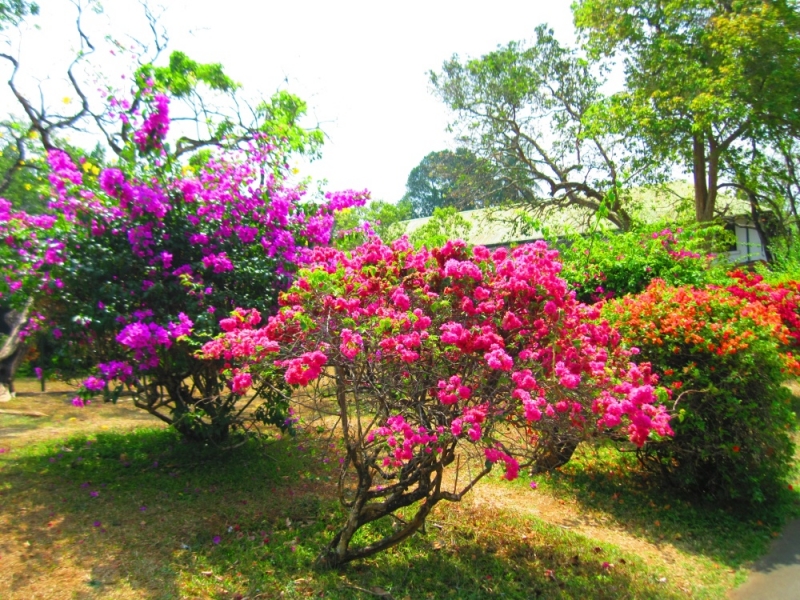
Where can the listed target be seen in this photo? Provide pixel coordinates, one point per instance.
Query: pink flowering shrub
(135, 264)
(435, 358)
(29, 246)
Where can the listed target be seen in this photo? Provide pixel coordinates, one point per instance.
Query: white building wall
(748, 244)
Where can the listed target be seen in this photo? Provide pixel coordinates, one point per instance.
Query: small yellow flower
(87, 167)
(95, 170)
(66, 100)
(28, 186)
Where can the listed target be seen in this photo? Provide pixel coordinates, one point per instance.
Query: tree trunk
(13, 350)
(555, 453)
(704, 195)
(338, 553)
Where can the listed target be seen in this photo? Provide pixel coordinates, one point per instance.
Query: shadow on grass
(613, 483)
(115, 510)
(144, 515)
(469, 555)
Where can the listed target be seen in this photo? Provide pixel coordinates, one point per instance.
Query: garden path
(777, 575)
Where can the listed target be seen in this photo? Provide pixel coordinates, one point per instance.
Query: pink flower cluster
(633, 397)
(403, 440)
(470, 338)
(305, 368)
(242, 341)
(154, 130)
(470, 422)
(352, 344)
(452, 391)
(495, 455)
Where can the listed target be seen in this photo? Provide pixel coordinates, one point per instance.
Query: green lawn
(90, 510)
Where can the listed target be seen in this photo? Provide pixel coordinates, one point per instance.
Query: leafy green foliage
(384, 219)
(24, 187)
(697, 75)
(23, 165)
(280, 119)
(181, 76)
(445, 224)
(198, 84)
(611, 264)
(532, 113)
(12, 12)
(446, 178)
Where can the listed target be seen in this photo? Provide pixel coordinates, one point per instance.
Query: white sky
(361, 65)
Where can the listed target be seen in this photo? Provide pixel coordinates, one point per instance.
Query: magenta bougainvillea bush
(431, 359)
(134, 264)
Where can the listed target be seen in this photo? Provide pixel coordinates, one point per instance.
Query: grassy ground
(103, 502)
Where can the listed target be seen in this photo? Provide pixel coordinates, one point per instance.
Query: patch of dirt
(33, 416)
(578, 519)
(570, 516)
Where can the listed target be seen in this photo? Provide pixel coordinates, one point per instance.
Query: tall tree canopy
(452, 178)
(208, 107)
(12, 11)
(709, 83)
(537, 115)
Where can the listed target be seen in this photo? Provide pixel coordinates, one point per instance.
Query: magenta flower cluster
(670, 242)
(153, 132)
(178, 243)
(474, 337)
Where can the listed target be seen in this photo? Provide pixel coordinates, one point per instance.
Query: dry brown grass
(62, 419)
(49, 547)
(43, 553)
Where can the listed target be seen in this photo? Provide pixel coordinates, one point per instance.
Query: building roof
(515, 225)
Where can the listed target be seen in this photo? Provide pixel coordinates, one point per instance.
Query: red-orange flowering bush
(783, 298)
(721, 355)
